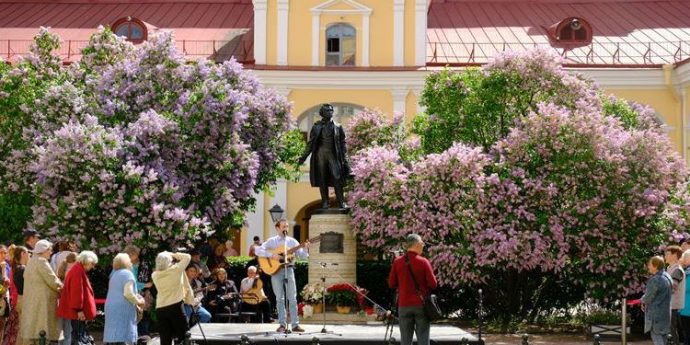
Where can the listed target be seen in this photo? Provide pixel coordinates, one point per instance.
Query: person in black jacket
(224, 297)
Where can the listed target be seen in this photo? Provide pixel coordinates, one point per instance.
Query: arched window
(342, 112)
(134, 30)
(340, 45)
(575, 30)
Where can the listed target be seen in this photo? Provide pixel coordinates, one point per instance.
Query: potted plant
(343, 296)
(312, 294)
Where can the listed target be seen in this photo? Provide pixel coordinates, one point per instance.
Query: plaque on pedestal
(337, 246)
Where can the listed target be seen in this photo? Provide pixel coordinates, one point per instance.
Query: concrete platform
(231, 333)
(339, 319)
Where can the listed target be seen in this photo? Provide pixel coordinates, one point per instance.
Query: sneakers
(281, 329)
(298, 329)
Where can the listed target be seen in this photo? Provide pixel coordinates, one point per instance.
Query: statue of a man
(329, 165)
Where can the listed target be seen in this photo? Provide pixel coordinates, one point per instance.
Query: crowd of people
(666, 301)
(51, 281)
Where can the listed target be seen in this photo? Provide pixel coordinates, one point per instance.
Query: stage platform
(231, 333)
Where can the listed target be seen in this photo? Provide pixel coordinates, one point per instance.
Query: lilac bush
(574, 193)
(134, 144)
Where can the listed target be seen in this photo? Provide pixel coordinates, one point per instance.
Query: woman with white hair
(121, 303)
(173, 292)
(39, 304)
(77, 302)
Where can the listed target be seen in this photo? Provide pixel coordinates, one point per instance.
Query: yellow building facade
(389, 57)
(359, 54)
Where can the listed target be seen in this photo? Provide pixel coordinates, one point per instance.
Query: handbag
(430, 302)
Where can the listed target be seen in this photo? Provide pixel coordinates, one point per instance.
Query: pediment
(341, 6)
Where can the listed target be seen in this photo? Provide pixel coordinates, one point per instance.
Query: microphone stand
(323, 298)
(285, 284)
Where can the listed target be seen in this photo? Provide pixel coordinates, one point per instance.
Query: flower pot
(318, 308)
(343, 309)
(307, 311)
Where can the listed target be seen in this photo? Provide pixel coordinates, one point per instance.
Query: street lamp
(276, 212)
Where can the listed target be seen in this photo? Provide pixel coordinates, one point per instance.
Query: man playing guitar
(253, 296)
(282, 241)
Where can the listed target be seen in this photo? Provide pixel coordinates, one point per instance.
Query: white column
(398, 32)
(365, 40)
(685, 122)
(399, 96)
(283, 10)
(418, 95)
(315, 34)
(255, 220)
(260, 8)
(420, 17)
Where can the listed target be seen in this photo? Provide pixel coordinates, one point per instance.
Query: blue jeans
(659, 339)
(204, 315)
(413, 320)
(277, 282)
(66, 332)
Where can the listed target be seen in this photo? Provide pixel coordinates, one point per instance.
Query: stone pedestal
(332, 227)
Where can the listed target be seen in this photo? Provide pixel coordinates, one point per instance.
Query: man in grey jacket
(656, 302)
(672, 256)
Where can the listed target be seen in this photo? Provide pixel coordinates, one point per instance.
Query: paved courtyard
(500, 339)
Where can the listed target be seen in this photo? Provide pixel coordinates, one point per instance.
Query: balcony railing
(609, 54)
(70, 50)
(438, 53)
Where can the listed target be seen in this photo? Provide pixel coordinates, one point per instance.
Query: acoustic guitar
(271, 266)
(254, 295)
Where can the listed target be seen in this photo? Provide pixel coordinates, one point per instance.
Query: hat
(31, 232)
(41, 246)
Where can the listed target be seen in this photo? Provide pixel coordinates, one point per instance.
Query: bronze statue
(329, 165)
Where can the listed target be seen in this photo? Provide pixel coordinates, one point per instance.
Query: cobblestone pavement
(510, 339)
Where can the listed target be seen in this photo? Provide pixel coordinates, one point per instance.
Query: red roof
(92, 13)
(625, 32)
(201, 27)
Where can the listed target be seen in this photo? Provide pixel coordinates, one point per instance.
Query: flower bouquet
(313, 294)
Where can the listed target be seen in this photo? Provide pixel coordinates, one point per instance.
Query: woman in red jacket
(77, 302)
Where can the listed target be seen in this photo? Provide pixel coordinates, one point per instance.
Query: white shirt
(247, 284)
(278, 242)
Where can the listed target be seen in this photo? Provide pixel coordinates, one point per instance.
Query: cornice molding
(633, 78)
(341, 79)
(299, 79)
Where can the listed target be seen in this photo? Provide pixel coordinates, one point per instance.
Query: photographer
(173, 291)
(408, 272)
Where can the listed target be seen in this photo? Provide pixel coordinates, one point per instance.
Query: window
(130, 28)
(575, 30)
(342, 112)
(340, 45)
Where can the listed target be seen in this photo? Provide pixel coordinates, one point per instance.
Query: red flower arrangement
(346, 294)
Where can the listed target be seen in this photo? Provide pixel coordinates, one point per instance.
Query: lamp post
(276, 212)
